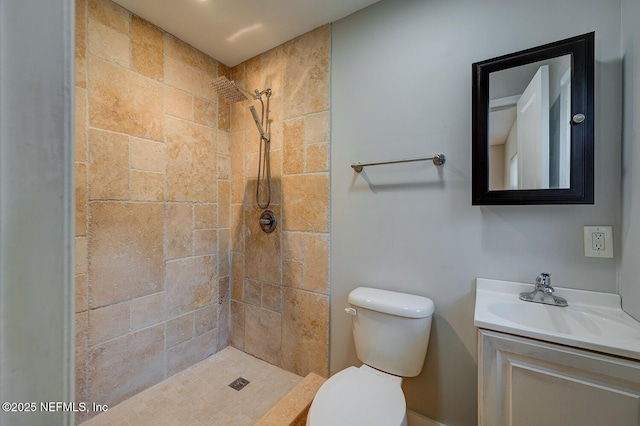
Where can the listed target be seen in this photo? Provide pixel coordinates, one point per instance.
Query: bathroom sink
(592, 320)
(578, 320)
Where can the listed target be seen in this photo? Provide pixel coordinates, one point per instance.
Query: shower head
(258, 123)
(231, 93)
(229, 90)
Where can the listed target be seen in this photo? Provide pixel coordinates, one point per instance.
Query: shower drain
(239, 383)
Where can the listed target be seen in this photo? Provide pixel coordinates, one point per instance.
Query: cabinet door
(525, 382)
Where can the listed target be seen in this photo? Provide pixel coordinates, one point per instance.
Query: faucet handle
(543, 280)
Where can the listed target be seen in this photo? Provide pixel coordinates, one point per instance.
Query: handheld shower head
(229, 90)
(258, 122)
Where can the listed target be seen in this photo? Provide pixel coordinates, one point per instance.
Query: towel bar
(438, 160)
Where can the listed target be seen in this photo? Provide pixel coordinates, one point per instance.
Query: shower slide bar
(438, 160)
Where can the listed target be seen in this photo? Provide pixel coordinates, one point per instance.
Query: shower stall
(172, 264)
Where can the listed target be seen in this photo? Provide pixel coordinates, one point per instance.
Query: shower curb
(292, 408)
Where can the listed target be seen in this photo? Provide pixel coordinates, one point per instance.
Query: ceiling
(501, 123)
(232, 31)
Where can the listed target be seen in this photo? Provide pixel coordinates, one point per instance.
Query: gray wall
(629, 272)
(401, 87)
(36, 207)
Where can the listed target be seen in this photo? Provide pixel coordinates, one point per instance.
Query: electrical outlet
(598, 241)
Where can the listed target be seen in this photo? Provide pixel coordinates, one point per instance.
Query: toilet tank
(391, 330)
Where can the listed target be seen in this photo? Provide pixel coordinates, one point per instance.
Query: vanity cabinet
(527, 382)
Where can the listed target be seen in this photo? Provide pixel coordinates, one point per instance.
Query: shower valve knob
(268, 221)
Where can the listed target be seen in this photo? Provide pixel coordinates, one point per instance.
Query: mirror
(533, 125)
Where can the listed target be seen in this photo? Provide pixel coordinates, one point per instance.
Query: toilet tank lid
(391, 302)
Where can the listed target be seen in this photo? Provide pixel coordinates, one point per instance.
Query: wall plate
(598, 241)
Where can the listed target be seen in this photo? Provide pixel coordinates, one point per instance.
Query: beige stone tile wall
(280, 281)
(166, 223)
(153, 196)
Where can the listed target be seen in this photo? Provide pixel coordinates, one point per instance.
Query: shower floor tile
(201, 395)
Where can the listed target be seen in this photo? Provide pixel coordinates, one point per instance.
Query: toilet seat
(359, 396)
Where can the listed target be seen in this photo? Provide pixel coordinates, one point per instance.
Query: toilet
(391, 332)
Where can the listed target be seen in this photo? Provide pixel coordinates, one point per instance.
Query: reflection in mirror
(529, 130)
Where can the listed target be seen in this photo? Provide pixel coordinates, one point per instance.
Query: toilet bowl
(359, 396)
(391, 334)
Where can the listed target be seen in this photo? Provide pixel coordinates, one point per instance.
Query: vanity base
(526, 382)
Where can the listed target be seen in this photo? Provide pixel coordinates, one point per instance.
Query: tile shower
(171, 265)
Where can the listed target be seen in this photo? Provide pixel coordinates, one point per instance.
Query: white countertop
(593, 320)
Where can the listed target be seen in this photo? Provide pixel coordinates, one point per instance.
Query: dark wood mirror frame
(581, 190)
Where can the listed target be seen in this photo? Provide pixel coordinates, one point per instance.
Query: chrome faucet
(543, 292)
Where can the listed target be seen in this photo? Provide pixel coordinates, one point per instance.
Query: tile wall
(153, 195)
(166, 223)
(280, 284)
